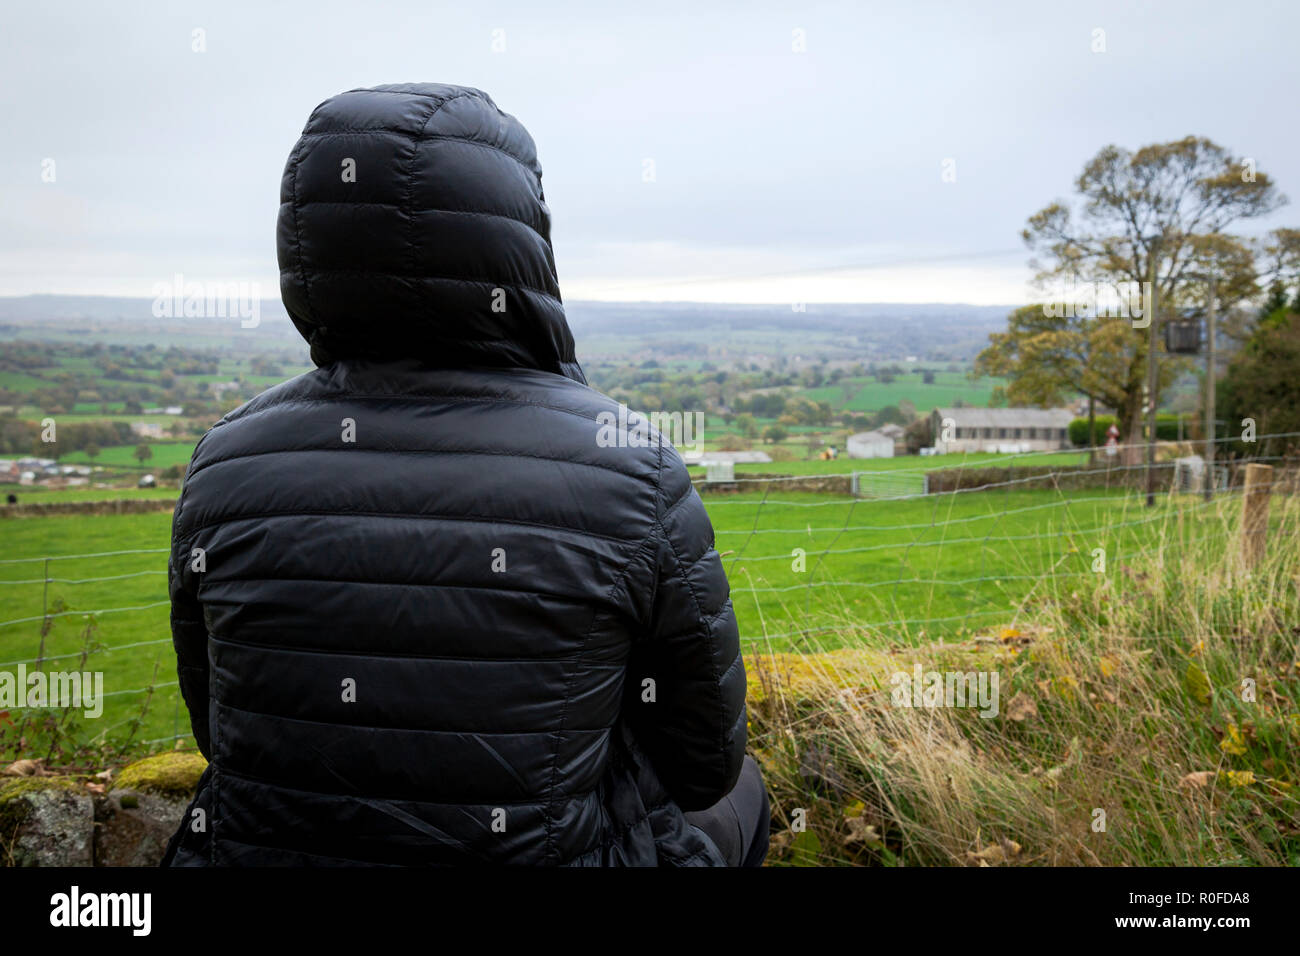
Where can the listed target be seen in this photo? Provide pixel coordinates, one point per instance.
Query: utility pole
(1154, 315)
(1209, 386)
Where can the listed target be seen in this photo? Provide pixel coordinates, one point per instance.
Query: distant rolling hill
(604, 330)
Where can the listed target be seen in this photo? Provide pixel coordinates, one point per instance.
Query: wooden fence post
(1254, 514)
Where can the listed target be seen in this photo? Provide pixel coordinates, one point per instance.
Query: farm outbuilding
(1006, 430)
(707, 458)
(871, 445)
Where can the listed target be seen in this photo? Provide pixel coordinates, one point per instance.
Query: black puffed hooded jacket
(436, 601)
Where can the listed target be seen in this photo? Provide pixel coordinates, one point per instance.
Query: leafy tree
(143, 453)
(917, 436)
(1280, 272)
(889, 415)
(1047, 358)
(1263, 380)
(775, 434)
(1172, 201)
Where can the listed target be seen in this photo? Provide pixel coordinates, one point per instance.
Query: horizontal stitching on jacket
(422, 277)
(418, 451)
(421, 136)
(452, 399)
(425, 208)
(413, 655)
(414, 451)
(409, 730)
(428, 96)
(251, 778)
(324, 513)
(415, 397)
(572, 598)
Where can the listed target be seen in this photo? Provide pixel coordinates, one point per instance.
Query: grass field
(134, 581)
(1145, 718)
(905, 571)
(1121, 685)
(89, 412)
(910, 463)
(866, 394)
(165, 454)
(28, 494)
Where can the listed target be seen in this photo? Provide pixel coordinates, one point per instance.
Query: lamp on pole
(1153, 314)
(1209, 387)
(1211, 279)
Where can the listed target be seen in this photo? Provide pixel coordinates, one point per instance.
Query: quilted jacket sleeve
(189, 638)
(692, 726)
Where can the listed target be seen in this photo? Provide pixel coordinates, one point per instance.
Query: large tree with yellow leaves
(1173, 201)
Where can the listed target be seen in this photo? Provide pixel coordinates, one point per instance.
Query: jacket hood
(413, 224)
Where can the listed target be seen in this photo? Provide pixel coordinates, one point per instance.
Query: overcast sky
(779, 176)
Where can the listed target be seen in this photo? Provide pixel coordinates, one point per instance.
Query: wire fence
(805, 568)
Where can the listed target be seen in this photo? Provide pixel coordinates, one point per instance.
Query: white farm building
(871, 445)
(1005, 430)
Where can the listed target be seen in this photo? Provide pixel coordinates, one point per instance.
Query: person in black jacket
(425, 611)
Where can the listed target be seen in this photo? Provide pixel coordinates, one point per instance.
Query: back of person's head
(413, 224)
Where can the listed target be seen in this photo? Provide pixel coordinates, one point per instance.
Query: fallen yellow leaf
(1232, 742)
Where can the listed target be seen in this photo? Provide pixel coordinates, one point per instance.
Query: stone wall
(116, 506)
(761, 482)
(113, 818)
(1286, 477)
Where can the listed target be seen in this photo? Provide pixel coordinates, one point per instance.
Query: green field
(910, 463)
(866, 394)
(21, 381)
(88, 412)
(897, 571)
(134, 581)
(903, 571)
(29, 494)
(165, 454)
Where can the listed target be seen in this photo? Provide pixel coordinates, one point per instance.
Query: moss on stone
(13, 805)
(17, 786)
(175, 773)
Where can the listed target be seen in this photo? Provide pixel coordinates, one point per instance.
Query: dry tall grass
(1147, 716)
